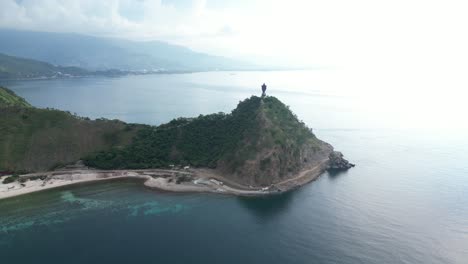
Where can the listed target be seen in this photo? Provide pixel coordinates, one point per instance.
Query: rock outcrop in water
(337, 162)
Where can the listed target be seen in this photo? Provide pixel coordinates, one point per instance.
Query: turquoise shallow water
(405, 202)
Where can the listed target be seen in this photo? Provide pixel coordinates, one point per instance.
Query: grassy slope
(9, 98)
(37, 139)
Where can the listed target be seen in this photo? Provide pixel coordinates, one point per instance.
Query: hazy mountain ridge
(15, 68)
(94, 53)
(20, 68)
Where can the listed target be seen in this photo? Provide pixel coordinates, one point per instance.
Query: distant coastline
(123, 73)
(104, 74)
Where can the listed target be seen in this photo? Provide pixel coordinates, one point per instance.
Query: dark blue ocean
(406, 201)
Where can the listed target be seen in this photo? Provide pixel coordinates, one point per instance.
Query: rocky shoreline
(167, 180)
(174, 180)
(192, 180)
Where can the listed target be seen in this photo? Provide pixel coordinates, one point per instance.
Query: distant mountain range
(100, 54)
(15, 68)
(19, 68)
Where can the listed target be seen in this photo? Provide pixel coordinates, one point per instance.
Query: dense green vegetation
(9, 98)
(206, 141)
(286, 127)
(259, 142)
(34, 139)
(200, 141)
(18, 68)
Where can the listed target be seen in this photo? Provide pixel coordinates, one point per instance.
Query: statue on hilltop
(264, 87)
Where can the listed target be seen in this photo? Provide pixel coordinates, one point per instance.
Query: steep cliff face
(276, 147)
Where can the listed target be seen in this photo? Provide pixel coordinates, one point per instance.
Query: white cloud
(365, 33)
(413, 53)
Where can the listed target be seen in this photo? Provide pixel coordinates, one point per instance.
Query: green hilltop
(260, 142)
(33, 139)
(9, 98)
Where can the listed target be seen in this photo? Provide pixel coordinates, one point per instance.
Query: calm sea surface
(405, 202)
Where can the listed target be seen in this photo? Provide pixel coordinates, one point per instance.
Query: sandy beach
(193, 180)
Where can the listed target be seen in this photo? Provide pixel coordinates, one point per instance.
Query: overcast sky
(326, 33)
(412, 52)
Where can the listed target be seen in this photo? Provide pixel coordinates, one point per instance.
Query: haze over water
(405, 202)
